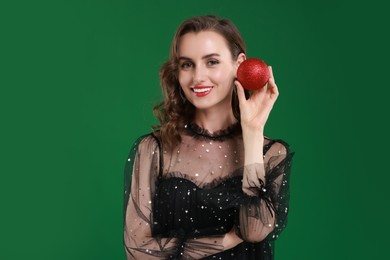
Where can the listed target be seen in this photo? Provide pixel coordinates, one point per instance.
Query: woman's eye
(186, 65)
(212, 62)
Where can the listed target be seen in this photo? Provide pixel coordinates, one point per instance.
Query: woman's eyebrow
(204, 57)
(210, 55)
(184, 58)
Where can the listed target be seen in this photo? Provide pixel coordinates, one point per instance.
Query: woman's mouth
(201, 91)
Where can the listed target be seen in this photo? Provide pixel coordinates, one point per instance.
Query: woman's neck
(214, 121)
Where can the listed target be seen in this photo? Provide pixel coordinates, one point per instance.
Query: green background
(79, 79)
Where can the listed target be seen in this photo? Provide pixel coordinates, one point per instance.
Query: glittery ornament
(253, 74)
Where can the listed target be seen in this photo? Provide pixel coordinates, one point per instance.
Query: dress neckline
(201, 133)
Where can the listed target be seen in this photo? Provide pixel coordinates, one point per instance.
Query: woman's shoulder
(277, 146)
(146, 142)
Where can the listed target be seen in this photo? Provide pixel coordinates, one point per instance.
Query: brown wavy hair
(174, 111)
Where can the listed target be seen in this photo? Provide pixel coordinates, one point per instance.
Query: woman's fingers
(240, 92)
(271, 74)
(272, 87)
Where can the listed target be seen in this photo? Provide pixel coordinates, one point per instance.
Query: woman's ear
(241, 57)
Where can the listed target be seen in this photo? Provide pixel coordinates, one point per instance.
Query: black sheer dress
(180, 204)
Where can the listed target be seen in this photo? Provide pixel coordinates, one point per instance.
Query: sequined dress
(179, 204)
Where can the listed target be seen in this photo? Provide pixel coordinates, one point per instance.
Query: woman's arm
(266, 207)
(197, 248)
(142, 169)
(257, 216)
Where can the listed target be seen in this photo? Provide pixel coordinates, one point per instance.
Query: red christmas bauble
(253, 74)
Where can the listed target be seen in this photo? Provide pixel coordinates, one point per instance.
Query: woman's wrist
(253, 145)
(251, 128)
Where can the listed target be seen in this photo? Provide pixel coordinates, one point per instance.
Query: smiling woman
(206, 68)
(207, 184)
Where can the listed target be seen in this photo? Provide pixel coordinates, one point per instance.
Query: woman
(207, 184)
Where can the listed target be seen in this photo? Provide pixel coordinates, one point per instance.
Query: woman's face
(207, 70)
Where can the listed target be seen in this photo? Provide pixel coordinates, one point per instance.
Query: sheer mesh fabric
(180, 204)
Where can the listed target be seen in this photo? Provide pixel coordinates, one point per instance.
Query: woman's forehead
(202, 43)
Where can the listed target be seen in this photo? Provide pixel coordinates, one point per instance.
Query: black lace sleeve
(141, 171)
(264, 213)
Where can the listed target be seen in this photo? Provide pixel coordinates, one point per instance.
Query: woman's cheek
(217, 76)
(221, 77)
(184, 79)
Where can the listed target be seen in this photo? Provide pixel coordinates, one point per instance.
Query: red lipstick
(201, 91)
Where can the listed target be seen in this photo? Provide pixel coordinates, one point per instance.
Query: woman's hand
(255, 110)
(231, 239)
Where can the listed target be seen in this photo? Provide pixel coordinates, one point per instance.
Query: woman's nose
(200, 75)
